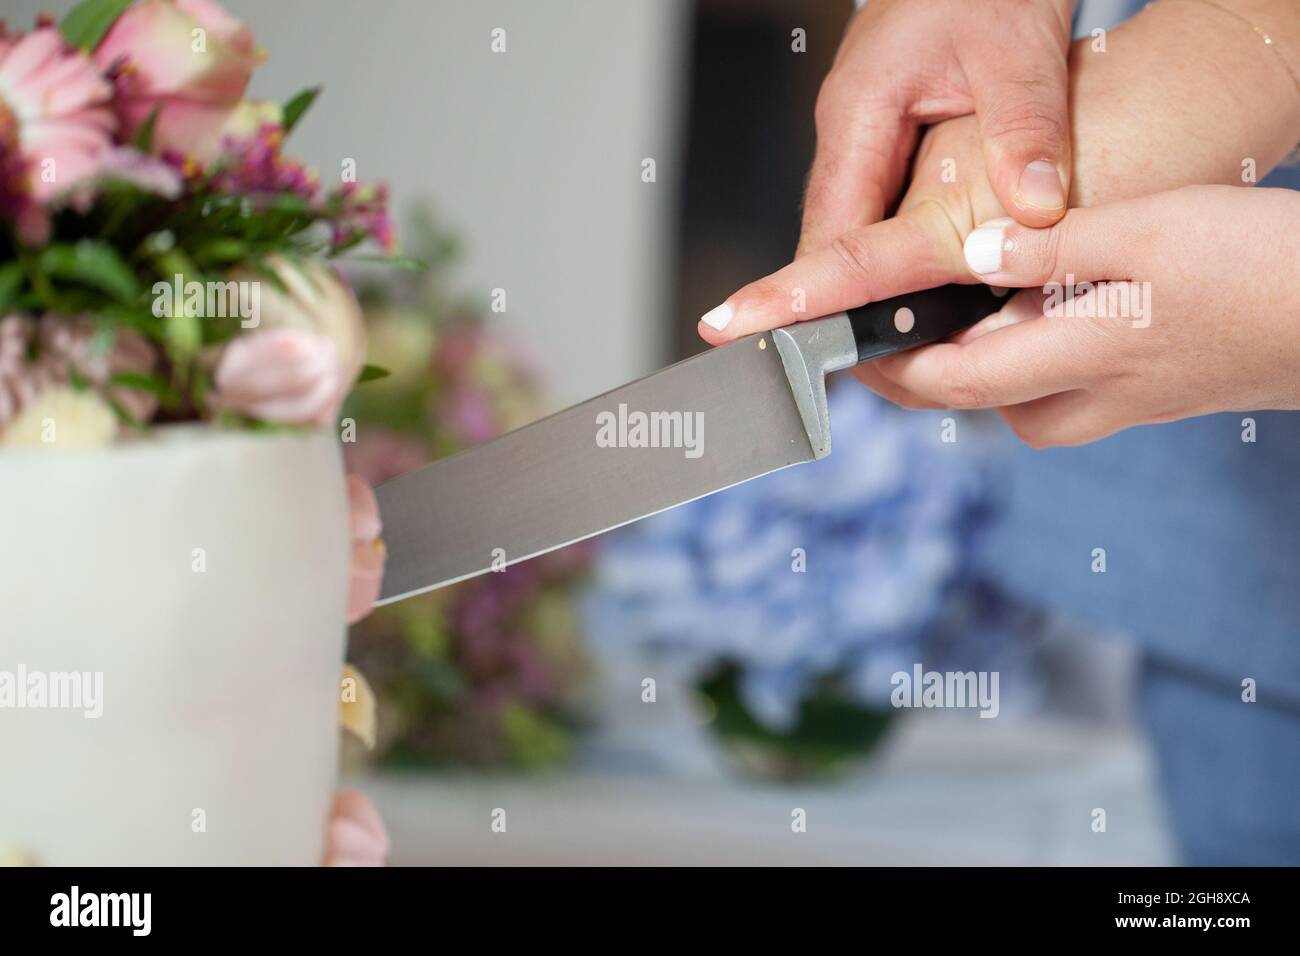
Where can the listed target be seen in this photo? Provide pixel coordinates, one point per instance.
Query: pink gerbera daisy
(55, 124)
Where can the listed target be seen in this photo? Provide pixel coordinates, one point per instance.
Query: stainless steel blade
(551, 484)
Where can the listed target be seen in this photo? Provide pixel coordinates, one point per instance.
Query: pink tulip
(188, 58)
(280, 375)
(355, 834)
(367, 570)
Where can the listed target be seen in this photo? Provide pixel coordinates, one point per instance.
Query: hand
(355, 834)
(1130, 136)
(1200, 315)
(366, 570)
(904, 64)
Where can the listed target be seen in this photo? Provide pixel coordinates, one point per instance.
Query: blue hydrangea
(886, 528)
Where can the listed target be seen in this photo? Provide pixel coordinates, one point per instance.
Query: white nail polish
(719, 317)
(983, 247)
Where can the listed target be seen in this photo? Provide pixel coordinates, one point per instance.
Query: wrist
(1198, 98)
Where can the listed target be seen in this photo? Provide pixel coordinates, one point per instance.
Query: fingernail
(1040, 186)
(983, 247)
(719, 317)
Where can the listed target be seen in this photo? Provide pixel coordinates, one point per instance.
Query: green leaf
(125, 417)
(397, 262)
(11, 280)
(93, 263)
(77, 380)
(287, 202)
(260, 266)
(371, 373)
(221, 249)
(87, 22)
(184, 335)
(296, 107)
(144, 382)
(143, 138)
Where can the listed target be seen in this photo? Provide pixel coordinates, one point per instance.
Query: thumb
(1025, 129)
(1102, 242)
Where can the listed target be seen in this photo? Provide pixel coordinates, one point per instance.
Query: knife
(725, 416)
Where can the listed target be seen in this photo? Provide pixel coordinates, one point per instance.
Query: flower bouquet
(173, 354)
(488, 673)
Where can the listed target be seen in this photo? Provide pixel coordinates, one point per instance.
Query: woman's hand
(904, 64)
(1184, 304)
(355, 834)
(367, 565)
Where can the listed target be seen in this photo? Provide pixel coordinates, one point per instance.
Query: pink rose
(311, 297)
(367, 569)
(280, 375)
(190, 59)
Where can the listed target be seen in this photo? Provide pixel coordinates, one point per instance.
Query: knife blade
(725, 416)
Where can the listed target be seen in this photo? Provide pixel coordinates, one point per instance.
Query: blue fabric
(1202, 538)
(1201, 533)
(1228, 768)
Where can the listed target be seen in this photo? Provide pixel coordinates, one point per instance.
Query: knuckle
(1027, 116)
(964, 387)
(854, 256)
(947, 218)
(761, 296)
(1047, 260)
(832, 99)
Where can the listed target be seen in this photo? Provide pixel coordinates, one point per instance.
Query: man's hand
(904, 64)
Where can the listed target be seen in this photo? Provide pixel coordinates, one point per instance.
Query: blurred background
(677, 692)
(526, 171)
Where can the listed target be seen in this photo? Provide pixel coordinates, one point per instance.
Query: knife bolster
(809, 352)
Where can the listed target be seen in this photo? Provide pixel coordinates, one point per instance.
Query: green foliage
(143, 138)
(87, 22)
(11, 281)
(293, 110)
(154, 385)
(830, 734)
(91, 263)
(458, 689)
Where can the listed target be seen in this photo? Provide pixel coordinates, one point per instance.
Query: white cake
(203, 574)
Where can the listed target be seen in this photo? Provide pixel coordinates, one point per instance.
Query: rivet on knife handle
(916, 318)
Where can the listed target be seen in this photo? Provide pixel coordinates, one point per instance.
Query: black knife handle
(916, 318)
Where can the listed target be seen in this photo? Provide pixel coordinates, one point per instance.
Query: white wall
(534, 155)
